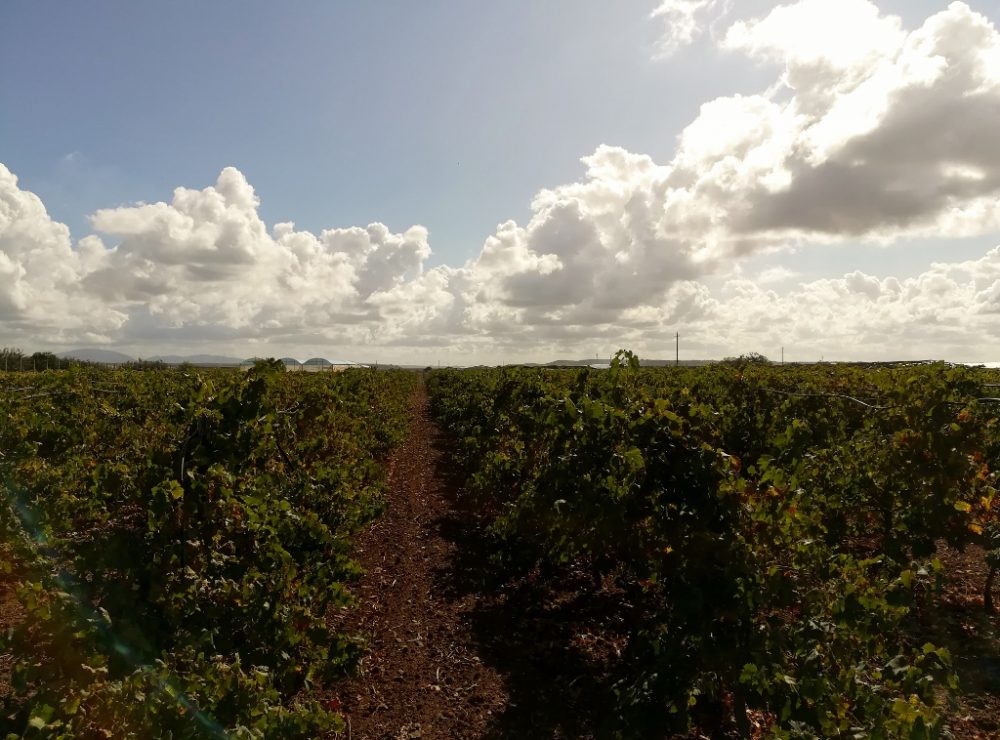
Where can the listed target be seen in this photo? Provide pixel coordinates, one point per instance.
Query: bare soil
(422, 676)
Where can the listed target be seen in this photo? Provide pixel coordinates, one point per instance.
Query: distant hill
(93, 354)
(197, 359)
(569, 363)
(642, 361)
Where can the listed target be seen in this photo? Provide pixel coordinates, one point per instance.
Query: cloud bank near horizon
(870, 133)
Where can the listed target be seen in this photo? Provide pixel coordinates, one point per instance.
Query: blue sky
(444, 115)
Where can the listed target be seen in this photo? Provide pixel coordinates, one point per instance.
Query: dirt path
(422, 677)
(455, 650)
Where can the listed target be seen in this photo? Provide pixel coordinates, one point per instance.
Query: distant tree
(142, 364)
(270, 364)
(11, 358)
(45, 361)
(750, 358)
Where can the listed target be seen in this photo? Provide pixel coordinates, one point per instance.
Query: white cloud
(207, 259)
(685, 21)
(41, 297)
(886, 127)
(947, 311)
(774, 275)
(835, 43)
(205, 265)
(888, 137)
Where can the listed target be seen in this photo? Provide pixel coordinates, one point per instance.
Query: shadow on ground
(554, 645)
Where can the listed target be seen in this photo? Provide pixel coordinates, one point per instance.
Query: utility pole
(677, 349)
(782, 355)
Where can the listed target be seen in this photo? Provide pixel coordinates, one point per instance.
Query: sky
(501, 182)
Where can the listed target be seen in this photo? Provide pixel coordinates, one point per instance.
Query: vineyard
(754, 549)
(178, 539)
(767, 531)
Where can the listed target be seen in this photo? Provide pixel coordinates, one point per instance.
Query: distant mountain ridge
(644, 362)
(93, 354)
(196, 359)
(111, 357)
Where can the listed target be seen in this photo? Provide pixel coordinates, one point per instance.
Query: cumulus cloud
(205, 263)
(873, 133)
(772, 275)
(591, 250)
(948, 311)
(816, 40)
(207, 259)
(684, 21)
(890, 132)
(40, 292)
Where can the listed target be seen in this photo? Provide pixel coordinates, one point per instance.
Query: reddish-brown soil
(422, 675)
